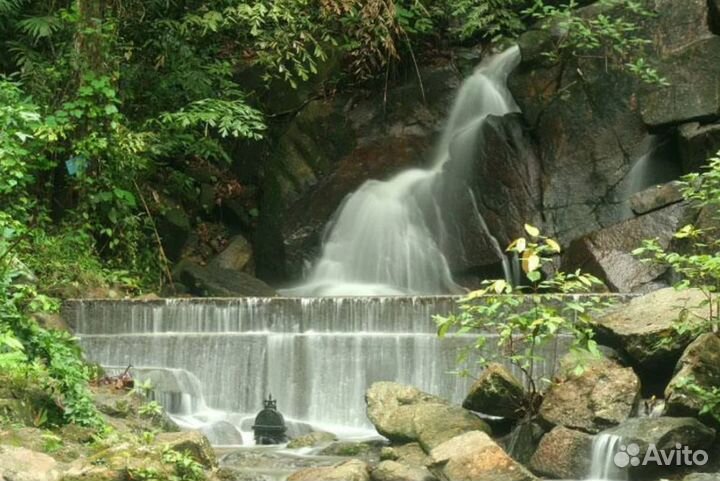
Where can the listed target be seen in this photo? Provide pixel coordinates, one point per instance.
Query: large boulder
(353, 470)
(174, 230)
(697, 143)
(215, 281)
(603, 395)
(405, 414)
(699, 367)
(20, 464)
(563, 454)
(410, 453)
(644, 328)
(497, 392)
(191, 442)
(607, 253)
(475, 456)
(237, 255)
(395, 471)
(315, 438)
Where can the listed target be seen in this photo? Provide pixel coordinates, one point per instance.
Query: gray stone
(194, 443)
(563, 454)
(607, 253)
(218, 282)
(644, 328)
(410, 453)
(603, 395)
(475, 456)
(498, 393)
(655, 198)
(699, 365)
(698, 143)
(237, 255)
(405, 414)
(395, 471)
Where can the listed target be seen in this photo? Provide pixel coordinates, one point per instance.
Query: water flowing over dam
(214, 360)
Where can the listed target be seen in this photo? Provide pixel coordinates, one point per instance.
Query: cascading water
(213, 361)
(386, 237)
(603, 465)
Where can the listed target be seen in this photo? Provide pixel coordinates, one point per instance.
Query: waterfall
(605, 447)
(214, 360)
(381, 240)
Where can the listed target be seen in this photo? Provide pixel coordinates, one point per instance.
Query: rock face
(395, 471)
(607, 253)
(497, 393)
(700, 365)
(643, 329)
(353, 470)
(20, 464)
(214, 281)
(563, 454)
(475, 456)
(405, 414)
(604, 395)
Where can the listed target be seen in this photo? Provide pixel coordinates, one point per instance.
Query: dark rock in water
(475, 456)
(212, 281)
(698, 366)
(607, 253)
(395, 471)
(353, 470)
(404, 414)
(664, 433)
(563, 454)
(644, 328)
(174, 230)
(603, 395)
(498, 393)
(655, 198)
(697, 143)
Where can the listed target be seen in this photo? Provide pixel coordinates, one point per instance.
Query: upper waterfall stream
(385, 239)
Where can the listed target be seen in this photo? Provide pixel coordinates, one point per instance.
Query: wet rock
(607, 253)
(523, 440)
(664, 433)
(603, 395)
(395, 471)
(191, 442)
(237, 256)
(697, 143)
(563, 454)
(656, 197)
(473, 456)
(698, 366)
(20, 464)
(404, 414)
(367, 451)
(213, 281)
(311, 440)
(498, 393)
(352, 470)
(643, 329)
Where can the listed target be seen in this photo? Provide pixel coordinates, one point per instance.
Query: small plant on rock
(520, 320)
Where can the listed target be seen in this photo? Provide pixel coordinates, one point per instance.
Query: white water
(603, 468)
(386, 238)
(213, 361)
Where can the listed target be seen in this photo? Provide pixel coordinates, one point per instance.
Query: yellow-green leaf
(518, 245)
(530, 261)
(532, 230)
(554, 246)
